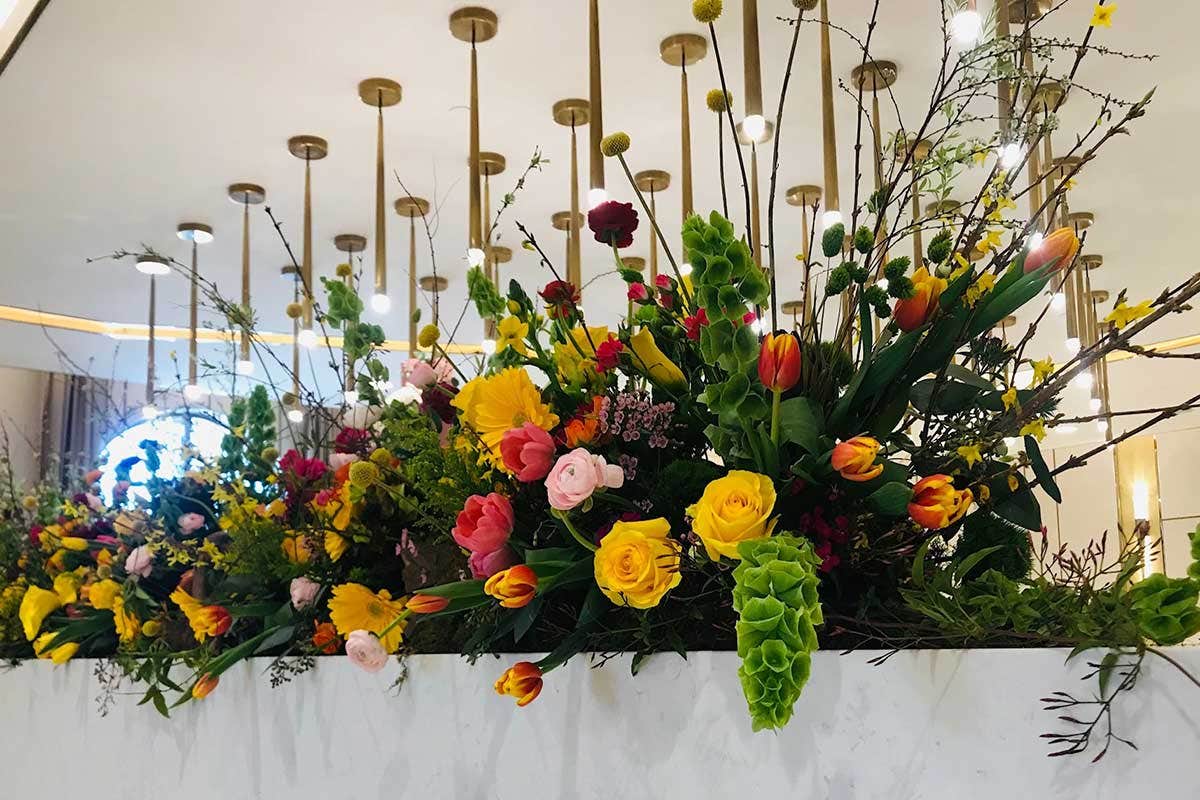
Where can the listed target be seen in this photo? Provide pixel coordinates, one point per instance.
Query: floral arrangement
(696, 477)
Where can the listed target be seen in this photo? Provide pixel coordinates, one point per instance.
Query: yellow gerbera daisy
(354, 607)
(490, 406)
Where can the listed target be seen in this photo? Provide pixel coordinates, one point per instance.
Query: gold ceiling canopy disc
(806, 194)
(942, 207)
(1007, 322)
(572, 111)
(652, 180)
(805, 5)
(1091, 261)
(312, 148)
(408, 206)
(683, 49)
(491, 164)
(1066, 165)
(290, 272)
(1100, 296)
(377, 92)
(350, 242)
(634, 262)
(874, 75)
(247, 193)
(501, 254)
(920, 149)
(561, 220)
(474, 24)
(430, 283)
(793, 307)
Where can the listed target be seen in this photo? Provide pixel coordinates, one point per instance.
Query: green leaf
(1045, 479)
(889, 417)
(800, 423)
(964, 375)
(918, 567)
(281, 636)
(1106, 668)
(1021, 292)
(160, 704)
(888, 363)
(542, 555)
(526, 616)
(1019, 507)
(891, 499)
(965, 566)
(458, 589)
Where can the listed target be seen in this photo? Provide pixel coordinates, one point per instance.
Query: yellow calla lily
(36, 605)
(653, 363)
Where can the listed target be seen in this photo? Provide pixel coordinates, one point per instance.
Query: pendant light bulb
(1095, 405)
(755, 127)
(596, 197)
(831, 218)
(965, 27)
(475, 257)
(149, 411)
(1058, 303)
(381, 303)
(1073, 345)
(244, 367)
(295, 415)
(1010, 155)
(307, 338)
(488, 346)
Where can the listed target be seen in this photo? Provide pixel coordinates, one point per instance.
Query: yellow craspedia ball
(294, 310)
(428, 336)
(269, 454)
(344, 270)
(718, 100)
(381, 456)
(706, 11)
(363, 474)
(614, 144)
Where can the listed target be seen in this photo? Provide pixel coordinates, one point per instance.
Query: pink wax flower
(577, 475)
(528, 452)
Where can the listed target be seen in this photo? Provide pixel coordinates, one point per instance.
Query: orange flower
(854, 459)
(513, 587)
(779, 362)
(204, 686)
(936, 503)
(427, 604)
(1062, 244)
(914, 312)
(582, 429)
(523, 681)
(326, 638)
(205, 620)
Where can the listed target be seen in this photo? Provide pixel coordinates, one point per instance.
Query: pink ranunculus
(304, 592)
(140, 562)
(577, 475)
(485, 565)
(484, 524)
(190, 522)
(419, 373)
(528, 452)
(366, 651)
(339, 460)
(94, 502)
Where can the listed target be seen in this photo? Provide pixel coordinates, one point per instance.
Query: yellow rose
(637, 564)
(734, 509)
(102, 593)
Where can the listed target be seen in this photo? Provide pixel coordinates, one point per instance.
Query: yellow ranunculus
(103, 593)
(44, 647)
(637, 563)
(650, 361)
(733, 509)
(36, 605)
(151, 628)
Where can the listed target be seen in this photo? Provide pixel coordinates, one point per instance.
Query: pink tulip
(484, 524)
(528, 452)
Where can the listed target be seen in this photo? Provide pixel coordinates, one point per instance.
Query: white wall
(926, 724)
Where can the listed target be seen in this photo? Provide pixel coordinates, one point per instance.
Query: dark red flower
(663, 281)
(295, 465)
(613, 223)
(694, 323)
(560, 297)
(608, 353)
(353, 440)
(436, 399)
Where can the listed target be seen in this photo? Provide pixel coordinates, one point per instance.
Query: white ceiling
(122, 120)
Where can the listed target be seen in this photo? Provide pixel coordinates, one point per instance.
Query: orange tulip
(779, 362)
(914, 312)
(427, 604)
(1062, 244)
(326, 638)
(523, 681)
(936, 503)
(214, 620)
(204, 686)
(854, 459)
(513, 587)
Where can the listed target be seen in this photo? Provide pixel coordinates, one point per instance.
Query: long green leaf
(1045, 479)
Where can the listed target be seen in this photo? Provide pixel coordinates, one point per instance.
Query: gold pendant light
(380, 93)
(572, 113)
(683, 50)
(197, 233)
(412, 207)
(246, 195)
(597, 193)
(653, 181)
(308, 148)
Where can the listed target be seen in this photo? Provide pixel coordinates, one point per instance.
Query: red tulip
(779, 362)
(513, 587)
(427, 604)
(522, 680)
(915, 311)
(854, 459)
(1062, 245)
(204, 686)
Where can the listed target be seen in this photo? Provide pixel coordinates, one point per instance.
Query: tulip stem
(403, 615)
(775, 402)
(562, 517)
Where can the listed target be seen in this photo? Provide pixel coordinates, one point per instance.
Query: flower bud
(514, 587)
(779, 362)
(522, 680)
(1059, 248)
(854, 459)
(832, 240)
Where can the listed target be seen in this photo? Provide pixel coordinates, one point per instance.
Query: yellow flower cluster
(492, 405)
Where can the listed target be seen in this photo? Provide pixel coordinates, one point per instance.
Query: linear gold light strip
(116, 330)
